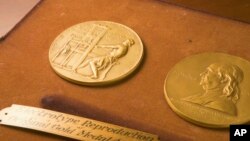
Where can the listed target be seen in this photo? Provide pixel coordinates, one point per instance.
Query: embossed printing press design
(210, 89)
(96, 52)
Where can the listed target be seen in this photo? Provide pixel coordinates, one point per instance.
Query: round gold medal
(210, 89)
(96, 52)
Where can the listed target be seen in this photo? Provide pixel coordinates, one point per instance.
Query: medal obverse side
(96, 52)
(210, 89)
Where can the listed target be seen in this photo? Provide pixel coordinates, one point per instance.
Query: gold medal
(96, 52)
(210, 89)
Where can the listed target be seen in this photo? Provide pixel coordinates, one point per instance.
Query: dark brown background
(169, 33)
(234, 9)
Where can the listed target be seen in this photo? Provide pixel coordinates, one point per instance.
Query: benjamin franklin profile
(221, 88)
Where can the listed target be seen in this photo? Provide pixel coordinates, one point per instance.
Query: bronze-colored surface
(210, 89)
(233, 9)
(96, 53)
(169, 34)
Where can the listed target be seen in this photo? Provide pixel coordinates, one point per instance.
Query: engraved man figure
(107, 61)
(221, 85)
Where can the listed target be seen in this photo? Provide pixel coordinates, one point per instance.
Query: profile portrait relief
(220, 83)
